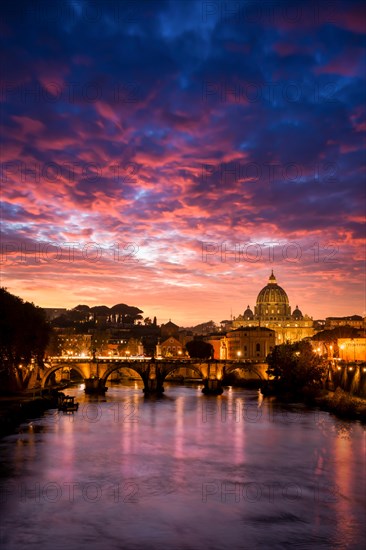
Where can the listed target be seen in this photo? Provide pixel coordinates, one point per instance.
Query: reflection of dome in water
(272, 302)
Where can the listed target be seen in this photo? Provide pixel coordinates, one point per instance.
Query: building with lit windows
(171, 347)
(273, 311)
(355, 321)
(352, 349)
(68, 342)
(247, 343)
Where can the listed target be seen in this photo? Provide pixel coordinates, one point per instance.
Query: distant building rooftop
(348, 318)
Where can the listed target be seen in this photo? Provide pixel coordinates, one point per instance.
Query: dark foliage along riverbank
(343, 405)
(17, 409)
(299, 375)
(339, 402)
(24, 335)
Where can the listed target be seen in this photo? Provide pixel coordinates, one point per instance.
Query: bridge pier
(153, 386)
(95, 385)
(212, 386)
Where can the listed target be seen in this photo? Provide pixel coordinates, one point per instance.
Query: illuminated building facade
(171, 347)
(247, 343)
(355, 321)
(352, 349)
(273, 311)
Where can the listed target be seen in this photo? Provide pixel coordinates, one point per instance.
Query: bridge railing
(140, 358)
(59, 358)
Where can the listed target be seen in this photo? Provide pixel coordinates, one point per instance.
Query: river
(185, 471)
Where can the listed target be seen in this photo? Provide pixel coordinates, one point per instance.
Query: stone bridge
(153, 372)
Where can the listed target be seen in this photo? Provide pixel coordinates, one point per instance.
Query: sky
(170, 154)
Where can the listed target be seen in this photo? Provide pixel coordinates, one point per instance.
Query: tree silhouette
(127, 315)
(24, 335)
(296, 367)
(199, 349)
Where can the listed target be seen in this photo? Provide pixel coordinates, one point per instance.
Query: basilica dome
(272, 302)
(248, 314)
(272, 293)
(297, 314)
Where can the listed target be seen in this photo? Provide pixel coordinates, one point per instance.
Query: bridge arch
(50, 371)
(248, 368)
(172, 368)
(118, 367)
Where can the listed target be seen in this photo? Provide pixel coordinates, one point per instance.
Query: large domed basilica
(272, 310)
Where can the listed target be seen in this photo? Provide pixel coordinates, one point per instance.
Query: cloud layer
(172, 153)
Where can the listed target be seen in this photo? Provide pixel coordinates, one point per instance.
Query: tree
(24, 335)
(296, 368)
(331, 335)
(127, 315)
(280, 361)
(79, 314)
(199, 349)
(100, 310)
(82, 317)
(82, 307)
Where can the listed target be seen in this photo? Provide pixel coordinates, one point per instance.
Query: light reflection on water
(183, 472)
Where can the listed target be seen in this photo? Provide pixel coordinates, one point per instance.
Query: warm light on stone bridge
(153, 371)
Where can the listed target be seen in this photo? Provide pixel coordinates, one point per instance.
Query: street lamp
(341, 347)
(239, 355)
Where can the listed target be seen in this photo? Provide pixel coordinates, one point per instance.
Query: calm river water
(183, 472)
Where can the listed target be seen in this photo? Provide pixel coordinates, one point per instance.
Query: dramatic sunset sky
(169, 154)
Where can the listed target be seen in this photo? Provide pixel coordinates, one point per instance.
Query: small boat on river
(67, 404)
